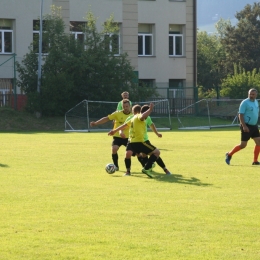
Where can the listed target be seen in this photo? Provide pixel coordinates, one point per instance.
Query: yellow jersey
(137, 129)
(119, 118)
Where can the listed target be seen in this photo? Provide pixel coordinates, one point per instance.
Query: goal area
(209, 113)
(78, 118)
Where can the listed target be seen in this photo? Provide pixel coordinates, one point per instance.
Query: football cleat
(147, 172)
(256, 163)
(228, 158)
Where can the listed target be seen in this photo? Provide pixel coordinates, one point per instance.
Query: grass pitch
(57, 201)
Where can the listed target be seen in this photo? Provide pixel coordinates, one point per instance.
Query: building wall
(161, 13)
(129, 13)
(22, 13)
(65, 12)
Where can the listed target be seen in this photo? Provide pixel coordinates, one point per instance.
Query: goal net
(78, 118)
(209, 113)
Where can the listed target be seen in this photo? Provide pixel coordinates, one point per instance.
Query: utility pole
(40, 52)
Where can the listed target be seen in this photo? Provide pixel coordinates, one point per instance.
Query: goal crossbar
(78, 118)
(208, 114)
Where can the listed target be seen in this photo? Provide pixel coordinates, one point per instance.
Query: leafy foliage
(241, 42)
(237, 85)
(210, 57)
(231, 58)
(74, 70)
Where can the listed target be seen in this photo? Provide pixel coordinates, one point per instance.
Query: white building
(158, 35)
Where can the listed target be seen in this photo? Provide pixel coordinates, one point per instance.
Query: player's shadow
(3, 165)
(173, 178)
(178, 178)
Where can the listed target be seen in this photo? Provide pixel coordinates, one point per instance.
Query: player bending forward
(137, 142)
(118, 118)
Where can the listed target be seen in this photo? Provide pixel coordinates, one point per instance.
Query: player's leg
(140, 147)
(115, 146)
(161, 163)
(154, 155)
(256, 138)
(128, 155)
(142, 158)
(245, 136)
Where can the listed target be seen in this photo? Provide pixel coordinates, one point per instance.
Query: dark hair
(136, 109)
(144, 108)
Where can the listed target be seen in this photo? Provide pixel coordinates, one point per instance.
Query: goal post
(78, 118)
(209, 113)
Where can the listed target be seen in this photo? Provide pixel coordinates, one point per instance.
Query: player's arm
(242, 122)
(121, 127)
(122, 134)
(147, 112)
(241, 112)
(127, 122)
(101, 121)
(153, 127)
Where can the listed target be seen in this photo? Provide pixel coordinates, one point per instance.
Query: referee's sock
(234, 150)
(256, 153)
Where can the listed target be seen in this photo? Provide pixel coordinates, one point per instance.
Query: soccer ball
(110, 168)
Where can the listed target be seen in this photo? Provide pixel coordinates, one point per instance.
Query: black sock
(128, 164)
(150, 162)
(160, 162)
(140, 159)
(145, 160)
(115, 159)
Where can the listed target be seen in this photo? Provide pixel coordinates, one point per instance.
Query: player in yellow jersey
(121, 138)
(142, 158)
(136, 137)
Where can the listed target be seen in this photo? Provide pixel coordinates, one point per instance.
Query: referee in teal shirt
(248, 116)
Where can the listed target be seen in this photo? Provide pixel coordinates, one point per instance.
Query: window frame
(2, 50)
(110, 47)
(144, 35)
(174, 42)
(43, 49)
(150, 83)
(45, 45)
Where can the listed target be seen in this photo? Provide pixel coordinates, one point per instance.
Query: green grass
(57, 201)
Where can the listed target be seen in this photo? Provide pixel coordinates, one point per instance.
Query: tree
(222, 26)
(210, 62)
(74, 70)
(241, 42)
(237, 85)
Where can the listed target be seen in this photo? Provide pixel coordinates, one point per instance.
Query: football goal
(78, 118)
(209, 113)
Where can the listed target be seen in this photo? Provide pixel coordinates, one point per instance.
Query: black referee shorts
(253, 132)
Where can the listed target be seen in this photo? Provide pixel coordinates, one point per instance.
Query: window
(175, 40)
(147, 83)
(76, 29)
(176, 88)
(113, 43)
(36, 35)
(6, 36)
(145, 40)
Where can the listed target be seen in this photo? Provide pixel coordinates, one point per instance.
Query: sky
(210, 11)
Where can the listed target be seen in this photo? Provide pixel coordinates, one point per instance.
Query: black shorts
(146, 147)
(119, 141)
(253, 132)
(129, 148)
